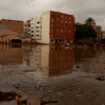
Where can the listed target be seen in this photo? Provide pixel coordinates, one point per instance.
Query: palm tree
(90, 21)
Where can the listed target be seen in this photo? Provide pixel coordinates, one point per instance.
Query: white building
(36, 28)
(33, 28)
(45, 23)
(27, 28)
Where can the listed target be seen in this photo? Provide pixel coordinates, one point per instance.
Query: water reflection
(10, 55)
(82, 54)
(61, 60)
(50, 62)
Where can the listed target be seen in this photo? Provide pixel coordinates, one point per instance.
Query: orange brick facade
(13, 25)
(62, 26)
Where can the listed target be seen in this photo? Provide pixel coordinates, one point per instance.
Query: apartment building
(36, 28)
(12, 25)
(27, 28)
(52, 27)
(33, 28)
(57, 27)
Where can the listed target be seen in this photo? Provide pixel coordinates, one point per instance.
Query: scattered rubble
(59, 93)
(100, 78)
(48, 102)
(7, 96)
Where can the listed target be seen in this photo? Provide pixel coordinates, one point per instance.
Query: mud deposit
(53, 76)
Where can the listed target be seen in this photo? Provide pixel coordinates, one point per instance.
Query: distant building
(27, 28)
(103, 34)
(99, 32)
(33, 28)
(52, 27)
(11, 29)
(13, 25)
(7, 35)
(94, 27)
(36, 28)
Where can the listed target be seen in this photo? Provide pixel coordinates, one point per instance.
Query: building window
(29, 25)
(61, 21)
(62, 16)
(32, 31)
(57, 25)
(52, 20)
(38, 22)
(52, 15)
(37, 30)
(69, 18)
(57, 16)
(69, 22)
(58, 36)
(62, 26)
(37, 35)
(51, 35)
(52, 25)
(57, 20)
(69, 31)
(52, 31)
(57, 30)
(37, 27)
(62, 30)
(65, 17)
(66, 22)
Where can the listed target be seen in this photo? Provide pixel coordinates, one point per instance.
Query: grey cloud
(81, 9)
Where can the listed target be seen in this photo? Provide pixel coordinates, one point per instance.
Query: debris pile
(7, 96)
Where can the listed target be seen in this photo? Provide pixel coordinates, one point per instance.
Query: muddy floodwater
(62, 76)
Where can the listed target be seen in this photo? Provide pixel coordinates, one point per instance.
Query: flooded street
(70, 76)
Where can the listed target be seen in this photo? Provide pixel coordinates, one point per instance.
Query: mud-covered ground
(82, 84)
(78, 88)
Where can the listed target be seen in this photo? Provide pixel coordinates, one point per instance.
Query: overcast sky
(81, 9)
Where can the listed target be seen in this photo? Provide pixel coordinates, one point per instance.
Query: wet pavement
(68, 76)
